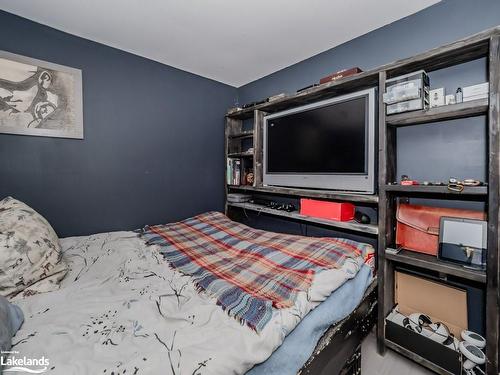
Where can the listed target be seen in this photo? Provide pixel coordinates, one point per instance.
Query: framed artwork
(40, 98)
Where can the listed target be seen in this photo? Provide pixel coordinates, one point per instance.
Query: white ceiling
(231, 41)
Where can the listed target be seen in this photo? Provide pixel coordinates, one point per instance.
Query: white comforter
(122, 310)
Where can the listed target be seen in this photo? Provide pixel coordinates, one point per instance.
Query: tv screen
(329, 145)
(324, 140)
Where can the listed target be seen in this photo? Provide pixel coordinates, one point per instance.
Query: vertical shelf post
(492, 273)
(258, 130)
(231, 127)
(385, 207)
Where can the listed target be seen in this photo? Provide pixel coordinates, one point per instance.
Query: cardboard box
(441, 302)
(476, 296)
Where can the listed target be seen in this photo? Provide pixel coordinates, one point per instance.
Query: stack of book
(233, 171)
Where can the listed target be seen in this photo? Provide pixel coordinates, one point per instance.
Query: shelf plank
(432, 263)
(348, 225)
(480, 191)
(415, 357)
(324, 194)
(441, 113)
(240, 155)
(245, 134)
(341, 86)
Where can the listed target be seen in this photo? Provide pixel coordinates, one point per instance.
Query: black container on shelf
(432, 351)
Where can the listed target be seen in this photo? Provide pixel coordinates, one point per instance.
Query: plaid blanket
(248, 271)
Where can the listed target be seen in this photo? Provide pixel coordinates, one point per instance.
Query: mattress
(122, 310)
(314, 332)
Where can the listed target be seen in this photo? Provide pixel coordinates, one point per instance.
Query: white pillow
(30, 254)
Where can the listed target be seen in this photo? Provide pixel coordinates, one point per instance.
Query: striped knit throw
(248, 271)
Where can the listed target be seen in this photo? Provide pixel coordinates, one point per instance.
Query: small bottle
(459, 96)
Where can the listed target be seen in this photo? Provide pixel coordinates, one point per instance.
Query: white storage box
(474, 92)
(409, 105)
(436, 97)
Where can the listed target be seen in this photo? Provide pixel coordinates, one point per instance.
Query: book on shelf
(233, 171)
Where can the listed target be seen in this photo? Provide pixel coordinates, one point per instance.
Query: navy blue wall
(153, 147)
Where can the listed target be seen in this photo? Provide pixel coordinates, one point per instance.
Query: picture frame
(40, 98)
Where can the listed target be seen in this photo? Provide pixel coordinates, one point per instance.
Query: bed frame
(339, 349)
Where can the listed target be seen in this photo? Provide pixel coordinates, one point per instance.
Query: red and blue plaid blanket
(248, 271)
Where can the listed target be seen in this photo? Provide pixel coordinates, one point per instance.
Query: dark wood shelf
(308, 193)
(442, 113)
(240, 155)
(348, 225)
(415, 357)
(344, 85)
(475, 191)
(244, 134)
(430, 262)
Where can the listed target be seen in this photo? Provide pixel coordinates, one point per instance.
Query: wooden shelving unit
(478, 46)
(369, 229)
(482, 45)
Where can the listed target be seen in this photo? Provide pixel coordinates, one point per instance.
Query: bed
(122, 308)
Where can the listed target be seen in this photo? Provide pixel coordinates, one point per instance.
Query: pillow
(30, 254)
(11, 319)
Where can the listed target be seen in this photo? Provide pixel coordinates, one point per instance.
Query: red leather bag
(418, 226)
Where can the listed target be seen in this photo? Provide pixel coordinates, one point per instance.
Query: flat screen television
(325, 145)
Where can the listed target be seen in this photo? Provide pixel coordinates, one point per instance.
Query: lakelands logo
(12, 362)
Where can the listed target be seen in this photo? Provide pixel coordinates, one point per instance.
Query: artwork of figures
(39, 98)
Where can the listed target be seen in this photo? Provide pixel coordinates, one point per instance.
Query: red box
(327, 210)
(340, 74)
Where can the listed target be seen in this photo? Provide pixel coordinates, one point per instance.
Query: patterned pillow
(30, 254)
